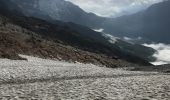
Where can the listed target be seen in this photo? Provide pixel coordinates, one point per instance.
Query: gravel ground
(40, 79)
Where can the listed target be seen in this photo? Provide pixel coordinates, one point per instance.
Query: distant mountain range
(152, 24)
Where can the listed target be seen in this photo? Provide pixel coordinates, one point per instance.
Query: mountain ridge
(151, 24)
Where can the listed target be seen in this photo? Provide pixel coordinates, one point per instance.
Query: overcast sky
(113, 8)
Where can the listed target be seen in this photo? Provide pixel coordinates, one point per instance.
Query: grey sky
(113, 8)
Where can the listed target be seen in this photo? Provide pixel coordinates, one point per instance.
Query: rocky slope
(43, 9)
(25, 35)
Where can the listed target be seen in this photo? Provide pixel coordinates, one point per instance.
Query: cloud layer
(163, 53)
(113, 8)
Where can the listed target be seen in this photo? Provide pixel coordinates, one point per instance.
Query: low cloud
(127, 38)
(162, 54)
(99, 30)
(113, 8)
(109, 37)
(132, 40)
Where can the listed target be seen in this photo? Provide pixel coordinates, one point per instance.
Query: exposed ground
(40, 79)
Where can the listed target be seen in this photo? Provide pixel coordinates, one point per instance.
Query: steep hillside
(33, 36)
(34, 40)
(71, 34)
